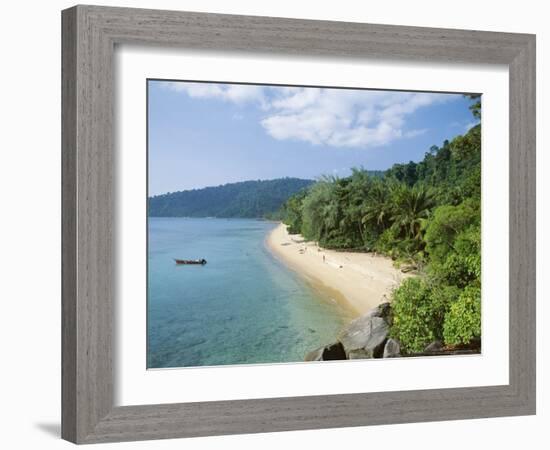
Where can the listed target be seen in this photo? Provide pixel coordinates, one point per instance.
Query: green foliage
(377, 208)
(446, 223)
(333, 209)
(413, 315)
(418, 313)
(427, 213)
(466, 147)
(475, 107)
(404, 173)
(412, 207)
(462, 266)
(291, 212)
(463, 321)
(254, 199)
(319, 211)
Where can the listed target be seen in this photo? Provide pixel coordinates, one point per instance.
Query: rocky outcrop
(392, 349)
(332, 352)
(364, 338)
(315, 355)
(383, 310)
(368, 337)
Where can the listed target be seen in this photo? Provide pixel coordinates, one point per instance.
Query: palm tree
(412, 208)
(353, 199)
(315, 216)
(377, 209)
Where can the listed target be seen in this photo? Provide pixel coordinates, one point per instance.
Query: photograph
(297, 223)
(262, 225)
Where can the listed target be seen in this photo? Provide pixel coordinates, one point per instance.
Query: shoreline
(356, 281)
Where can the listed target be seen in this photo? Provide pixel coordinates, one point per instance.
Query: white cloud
(235, 93)
(414, 133)
(333, 117)
(345, 118)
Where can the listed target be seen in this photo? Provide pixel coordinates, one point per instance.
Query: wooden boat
(201, 262)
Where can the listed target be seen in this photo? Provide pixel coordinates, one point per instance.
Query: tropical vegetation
(246, 199)
(425, 215)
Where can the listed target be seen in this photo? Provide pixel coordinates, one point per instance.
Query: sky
(207, 134)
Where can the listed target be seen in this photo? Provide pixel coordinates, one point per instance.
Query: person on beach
(323, 258)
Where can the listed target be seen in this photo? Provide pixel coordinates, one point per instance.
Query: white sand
(360, 281)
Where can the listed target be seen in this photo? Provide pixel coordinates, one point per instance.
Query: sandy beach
(359, 281)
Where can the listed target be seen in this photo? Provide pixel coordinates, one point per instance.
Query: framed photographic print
(268, 222)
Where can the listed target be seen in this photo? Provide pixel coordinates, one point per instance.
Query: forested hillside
(426, 215)
(251, 199)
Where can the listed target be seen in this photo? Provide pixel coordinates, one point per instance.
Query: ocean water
(242, 307)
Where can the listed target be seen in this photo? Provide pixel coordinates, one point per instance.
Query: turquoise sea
(242, 307)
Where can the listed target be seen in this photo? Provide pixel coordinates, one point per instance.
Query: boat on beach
(201, 261)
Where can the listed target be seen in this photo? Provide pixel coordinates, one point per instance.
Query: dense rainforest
(247, 199)
(257, 199)
(425, 215)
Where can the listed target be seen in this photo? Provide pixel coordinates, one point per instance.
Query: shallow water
(242, 307)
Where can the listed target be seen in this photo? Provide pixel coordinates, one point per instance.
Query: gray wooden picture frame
(90, 34)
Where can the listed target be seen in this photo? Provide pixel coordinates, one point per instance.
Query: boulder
(334, 352)
(315, 355)
(435, 346)
(361, 354)
(383, 310)
(392, 349)
(365, 336)
(331, 352)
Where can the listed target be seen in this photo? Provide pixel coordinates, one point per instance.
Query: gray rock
(331, 352)
(315, 355)
(367, 333)
(383, 310)
(334, 352)
(392, 349)
(435, 346)
(361, 354)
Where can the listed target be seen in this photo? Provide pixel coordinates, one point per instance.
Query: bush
(419, 311)
(337, 242)
(386, 241)
(447, 222)
(462, 266)
(463, 321)
(390, 244)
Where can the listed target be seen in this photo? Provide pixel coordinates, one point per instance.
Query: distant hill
(246, 199)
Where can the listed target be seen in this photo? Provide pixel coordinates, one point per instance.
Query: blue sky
(207, 134)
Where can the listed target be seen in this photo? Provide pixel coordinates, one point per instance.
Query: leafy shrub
(467, 147)
(315, 209)
(398, 248)
(463, 321)
(462, 265)
(447, 222)
(419, 311)
(386, 241)
(427, 214)
(291, 211)
(338, 242)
